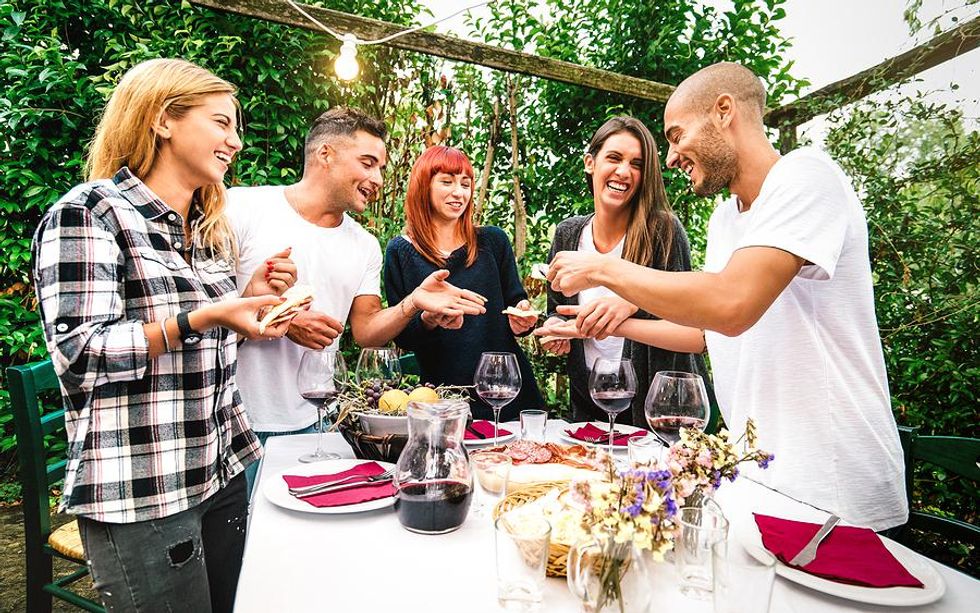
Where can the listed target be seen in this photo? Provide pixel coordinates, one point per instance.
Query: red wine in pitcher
(433, 507)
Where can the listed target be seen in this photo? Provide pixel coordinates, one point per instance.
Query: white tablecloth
(366, 562)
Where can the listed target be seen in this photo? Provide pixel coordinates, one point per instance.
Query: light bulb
(346, 65)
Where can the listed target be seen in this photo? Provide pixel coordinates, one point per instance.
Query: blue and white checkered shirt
(146, 438)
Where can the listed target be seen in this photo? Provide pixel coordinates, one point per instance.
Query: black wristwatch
(188, 335)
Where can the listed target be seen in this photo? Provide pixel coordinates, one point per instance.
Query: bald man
(785, 300)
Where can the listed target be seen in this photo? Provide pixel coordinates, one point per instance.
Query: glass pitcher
(433, 481)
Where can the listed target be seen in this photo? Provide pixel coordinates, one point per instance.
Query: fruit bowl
(380, 425)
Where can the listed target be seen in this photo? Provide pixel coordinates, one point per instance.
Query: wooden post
(787, 138)
(520, 213)
(487, 164)
(448, 47)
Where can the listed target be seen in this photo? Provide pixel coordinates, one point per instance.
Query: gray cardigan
(647, 360)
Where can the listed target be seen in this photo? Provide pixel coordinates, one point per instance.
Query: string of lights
(346, 65)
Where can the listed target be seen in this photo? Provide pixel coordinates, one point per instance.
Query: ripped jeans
(185, 562)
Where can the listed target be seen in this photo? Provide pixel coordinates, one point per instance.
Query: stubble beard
(719, 162)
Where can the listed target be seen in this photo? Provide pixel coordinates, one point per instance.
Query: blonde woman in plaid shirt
(135, 275)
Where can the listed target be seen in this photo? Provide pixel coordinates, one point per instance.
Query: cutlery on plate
(809, 551)
(330, 486)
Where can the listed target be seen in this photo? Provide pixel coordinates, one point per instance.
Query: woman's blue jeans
(186, 562)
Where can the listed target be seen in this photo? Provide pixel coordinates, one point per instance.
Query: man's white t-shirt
(340, 263)
(610, 347)
(811, 372)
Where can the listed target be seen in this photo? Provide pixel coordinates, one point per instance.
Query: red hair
(418, 203)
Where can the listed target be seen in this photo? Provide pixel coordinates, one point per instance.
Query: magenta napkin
(485, 428)
(364, 493)
(848, 554)
(590, 433)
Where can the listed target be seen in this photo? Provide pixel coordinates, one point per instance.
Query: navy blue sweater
(451, 356)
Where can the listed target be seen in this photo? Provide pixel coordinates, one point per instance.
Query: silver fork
(809, 551)
(307, 490)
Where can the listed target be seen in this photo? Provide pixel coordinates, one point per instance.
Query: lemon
(392, 401)
(423, 394)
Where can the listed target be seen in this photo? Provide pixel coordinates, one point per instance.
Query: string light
(346, 65)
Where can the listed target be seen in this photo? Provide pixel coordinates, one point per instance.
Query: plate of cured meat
(534, 462)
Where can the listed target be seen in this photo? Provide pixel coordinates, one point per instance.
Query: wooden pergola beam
(448, 47)
(944, 47)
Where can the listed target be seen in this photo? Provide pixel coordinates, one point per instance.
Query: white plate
(604, 426)
(276, 490)
(483, 442)
(922, 569)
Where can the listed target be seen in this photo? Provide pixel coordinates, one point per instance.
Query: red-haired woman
(439, 233)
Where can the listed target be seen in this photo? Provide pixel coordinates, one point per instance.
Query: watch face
(192, 339)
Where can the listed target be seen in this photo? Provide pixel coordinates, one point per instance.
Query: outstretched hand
(242, 316)
(273, 276)
(313, 329)
(600, 318)
(555, 335)
(518, 324)
(572, 271)
(439, 297)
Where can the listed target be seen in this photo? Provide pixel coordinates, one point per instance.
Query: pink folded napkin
(590, 433)
(485, 428)
(848, 555)
(354, 495)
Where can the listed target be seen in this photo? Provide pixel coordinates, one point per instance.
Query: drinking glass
(676, 400)
(612, 385)
(700, 529)
(643, 450)
(522, 558)
(497, 381)
(320, 378)
(534, 425)
(491, 472)
(741, 582)
(378, 365)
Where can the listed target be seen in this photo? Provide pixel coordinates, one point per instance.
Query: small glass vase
(610, 577)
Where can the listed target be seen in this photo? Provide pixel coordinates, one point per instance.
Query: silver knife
(328, 488)
(809, 551)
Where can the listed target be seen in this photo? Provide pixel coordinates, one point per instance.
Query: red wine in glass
(433, 507)
(497, 381)
(668, 427)
(614, 401)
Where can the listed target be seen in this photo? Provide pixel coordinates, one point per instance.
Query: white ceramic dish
(380, 425)
(604, 426)
(277, 492)
(933, 588)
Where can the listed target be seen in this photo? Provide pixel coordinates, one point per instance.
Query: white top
(811, 372)
(340, 263)
(610, 347)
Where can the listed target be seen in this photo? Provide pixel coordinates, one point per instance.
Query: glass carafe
(433, 481)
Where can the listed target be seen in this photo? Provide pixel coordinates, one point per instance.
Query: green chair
(958, 455)
(410, 365)
(37, 476)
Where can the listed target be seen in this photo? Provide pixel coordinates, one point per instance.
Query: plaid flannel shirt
(146, 438)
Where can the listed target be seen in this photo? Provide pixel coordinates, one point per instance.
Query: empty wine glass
(498, 381)
(320, 378)
(378, 365)
(676, 400)
(612, 385)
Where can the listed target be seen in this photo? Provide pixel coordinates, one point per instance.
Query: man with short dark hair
(786, 300)
(344, 157)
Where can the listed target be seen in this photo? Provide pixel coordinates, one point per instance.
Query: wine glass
(612, 385)
(320, 378)
(497, 381)
(378, 365)
(676, 400)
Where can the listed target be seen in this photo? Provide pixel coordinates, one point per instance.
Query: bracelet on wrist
(411, 310)
(166, 339)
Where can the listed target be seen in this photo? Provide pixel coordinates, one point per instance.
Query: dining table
(367, 562)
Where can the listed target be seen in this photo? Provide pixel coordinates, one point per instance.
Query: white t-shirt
(340, 263)
(610, 347)
(811, 372)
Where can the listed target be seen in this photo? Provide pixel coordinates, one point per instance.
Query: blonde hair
(125, 134)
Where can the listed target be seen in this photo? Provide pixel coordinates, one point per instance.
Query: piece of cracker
(296, 297)
(521, 312)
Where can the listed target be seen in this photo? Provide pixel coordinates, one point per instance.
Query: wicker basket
(385, 448)
(557, 552)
